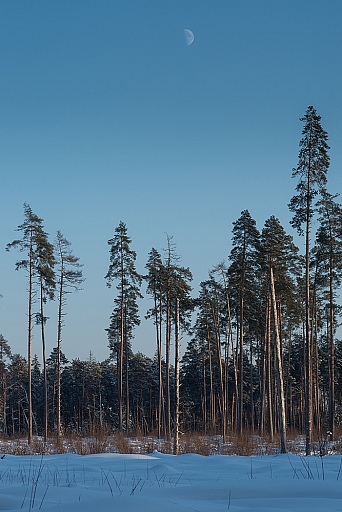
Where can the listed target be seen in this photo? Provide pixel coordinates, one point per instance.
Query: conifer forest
(262, 355)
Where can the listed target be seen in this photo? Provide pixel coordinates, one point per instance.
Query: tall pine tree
(313, 164)
(69, 278)
(125, 315)
(243, 273)
(37, 264)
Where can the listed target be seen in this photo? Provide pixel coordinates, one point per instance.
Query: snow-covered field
(165, 483)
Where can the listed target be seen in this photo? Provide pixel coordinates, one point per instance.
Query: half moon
(189, 36)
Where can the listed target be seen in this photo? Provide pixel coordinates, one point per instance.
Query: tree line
(262, 355)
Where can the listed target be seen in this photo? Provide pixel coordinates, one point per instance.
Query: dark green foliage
(313, 164)
(122, 271)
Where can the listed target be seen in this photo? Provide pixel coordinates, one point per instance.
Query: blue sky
(107, 115)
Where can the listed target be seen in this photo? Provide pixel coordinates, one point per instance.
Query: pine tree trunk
(160, 367)
(167, 364)
(279, 369)
(263, 374)
(308, 348)
(222, 399)
(204, 401)
(240, 375)
(29, 345)
(269, 376)
(251, 387)
(176, 415)
(127, 380)
(59, 340)
(120, 366)
(331, 340)
(44, 361)
(212, 418)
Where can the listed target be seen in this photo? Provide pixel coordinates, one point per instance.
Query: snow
(167, 483)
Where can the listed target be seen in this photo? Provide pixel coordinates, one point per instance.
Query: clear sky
(107, 115)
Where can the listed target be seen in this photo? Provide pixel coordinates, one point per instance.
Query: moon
(189, 36)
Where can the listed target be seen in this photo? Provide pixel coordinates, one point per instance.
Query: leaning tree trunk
(279, 369)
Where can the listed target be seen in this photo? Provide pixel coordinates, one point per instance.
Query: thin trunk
(269, 376)
(279, 369)
(120, 366)
(59, 341)
(204, 402)
(44, 361)
(331, 343)
(161, 404)
(316, 405)
(240, 396)
(177, 347)
(212, 418)
(251, 385)
(308, 348)
(241, 340)
(159, 356)
(263, 375)
(234, 405)
(222, 400)
(167, 364)
(127, 380)
(29, 345)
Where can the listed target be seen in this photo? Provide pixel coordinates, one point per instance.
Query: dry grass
(246, 444)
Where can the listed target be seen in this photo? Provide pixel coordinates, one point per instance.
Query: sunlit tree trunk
(176, 413)
(279, 368)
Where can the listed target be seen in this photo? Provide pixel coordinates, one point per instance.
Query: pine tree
(125, 313)
(155, 286)
(69, 278)
(243, 273)
(311, 170)
(33, 244)
(280, 264)
(47, 284)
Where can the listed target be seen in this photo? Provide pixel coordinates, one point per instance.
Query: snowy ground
(158, 482)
